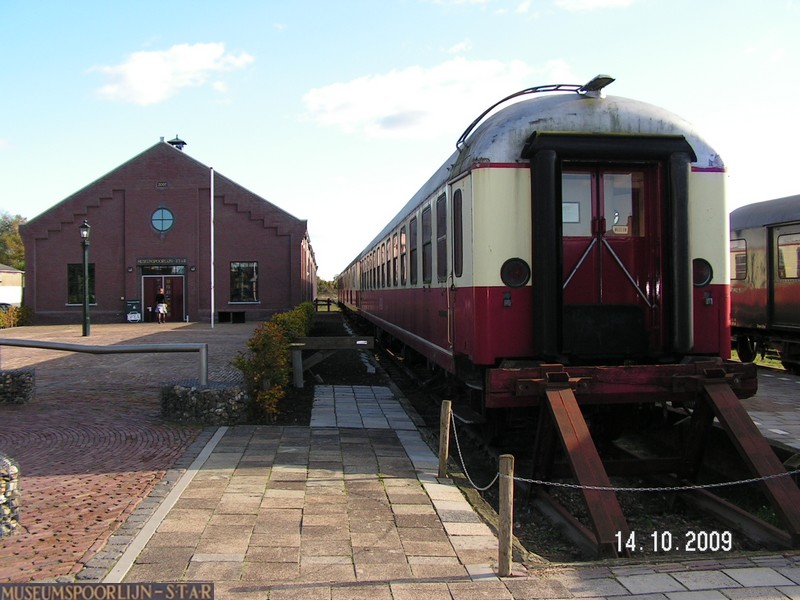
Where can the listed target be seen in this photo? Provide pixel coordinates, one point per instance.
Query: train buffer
(324, 347)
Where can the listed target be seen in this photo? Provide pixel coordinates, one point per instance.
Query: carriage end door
(611, 261)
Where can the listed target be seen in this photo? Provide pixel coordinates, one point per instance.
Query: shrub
(14, 316)
(266, 365)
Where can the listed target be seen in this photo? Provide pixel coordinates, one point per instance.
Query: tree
(12, 252)
(326, 289)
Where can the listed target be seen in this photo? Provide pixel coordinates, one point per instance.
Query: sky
(339, 111)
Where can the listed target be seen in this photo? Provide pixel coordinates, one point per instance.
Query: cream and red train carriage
(571, 253)
(765, 279)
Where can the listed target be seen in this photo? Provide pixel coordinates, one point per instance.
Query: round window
(162, 219)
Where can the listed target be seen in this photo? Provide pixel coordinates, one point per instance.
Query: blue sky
(338, 111)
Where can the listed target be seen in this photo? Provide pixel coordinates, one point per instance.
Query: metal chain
(681, 488)
(601, 488)
(464, 465)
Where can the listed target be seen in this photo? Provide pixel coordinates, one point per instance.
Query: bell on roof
(177, 142)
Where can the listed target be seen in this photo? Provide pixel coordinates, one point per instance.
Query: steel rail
(199, 347)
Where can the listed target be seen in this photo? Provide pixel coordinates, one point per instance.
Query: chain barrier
(679, 488)
(464, 465)
(601, 488)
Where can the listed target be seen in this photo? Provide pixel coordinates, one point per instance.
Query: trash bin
(133, 311)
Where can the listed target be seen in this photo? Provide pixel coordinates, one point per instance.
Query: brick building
(150, 222)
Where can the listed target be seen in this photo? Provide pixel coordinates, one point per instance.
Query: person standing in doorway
(161, 306)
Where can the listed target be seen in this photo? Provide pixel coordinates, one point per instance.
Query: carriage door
(611, 272)
(785, 307)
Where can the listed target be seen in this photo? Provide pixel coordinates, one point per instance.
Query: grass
(771, 360)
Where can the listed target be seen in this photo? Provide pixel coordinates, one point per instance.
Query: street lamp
(85, 228)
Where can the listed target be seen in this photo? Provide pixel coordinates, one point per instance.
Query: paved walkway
(775, 412)
(348, 508)
(338, 512)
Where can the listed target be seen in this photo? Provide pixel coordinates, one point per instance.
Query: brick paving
(92, 445)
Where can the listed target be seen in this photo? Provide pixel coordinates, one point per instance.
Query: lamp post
(85, 228)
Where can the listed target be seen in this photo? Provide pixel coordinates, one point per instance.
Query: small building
(150, 228)
(10, 285)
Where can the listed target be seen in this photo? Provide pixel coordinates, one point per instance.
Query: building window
(244, 282)
(75, 284)
(162, 219)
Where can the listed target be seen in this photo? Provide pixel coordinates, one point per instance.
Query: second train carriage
(765, 279)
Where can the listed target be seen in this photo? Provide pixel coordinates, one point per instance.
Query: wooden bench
(325, 347)
(326, 302)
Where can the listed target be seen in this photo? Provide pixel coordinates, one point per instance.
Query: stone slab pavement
(357, 511)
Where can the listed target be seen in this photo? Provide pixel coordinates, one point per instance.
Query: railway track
(664, 524)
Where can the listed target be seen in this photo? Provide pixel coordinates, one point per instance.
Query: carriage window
(576, 204)
(395, 255)
(382, 260)
(403, 255)
(738, 259)
(427, 246)
(388, 263)
(788, 256)
(412, 232)
(394, 260)
(375, 269)
(458, 234)
(622, 199)
(441, 238)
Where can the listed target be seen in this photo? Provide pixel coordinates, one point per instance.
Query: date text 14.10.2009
(666, 541)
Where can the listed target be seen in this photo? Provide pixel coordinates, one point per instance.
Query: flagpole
(211, 229)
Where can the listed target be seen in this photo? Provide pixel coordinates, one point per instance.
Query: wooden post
(297, 366)
(506, 516)
(444, 437)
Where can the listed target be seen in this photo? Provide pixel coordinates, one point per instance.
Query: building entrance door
(173, 292)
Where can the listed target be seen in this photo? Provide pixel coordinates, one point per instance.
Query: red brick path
(92, 444)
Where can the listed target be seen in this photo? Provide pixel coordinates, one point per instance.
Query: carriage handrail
(594, 85)
(199, 347)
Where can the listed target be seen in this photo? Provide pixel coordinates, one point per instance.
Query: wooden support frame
(756, 452)
(325, 347)
(608, 522)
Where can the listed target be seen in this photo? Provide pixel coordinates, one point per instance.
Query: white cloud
(151, 77)
(4, 144)
(422, 103)
(585, 5)
(523, 7)
(460, 47)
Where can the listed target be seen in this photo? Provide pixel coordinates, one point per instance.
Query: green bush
(266, 365)
(14, 316)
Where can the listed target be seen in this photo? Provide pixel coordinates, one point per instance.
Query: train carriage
(765, 279)
(573, 228)
(571, 258)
